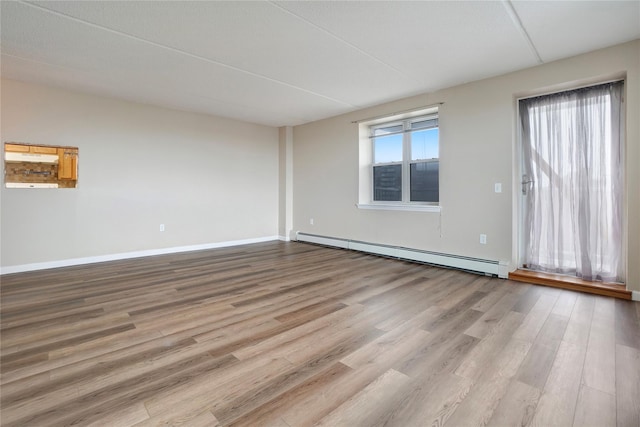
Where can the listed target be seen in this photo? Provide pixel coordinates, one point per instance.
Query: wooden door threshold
(572, 283)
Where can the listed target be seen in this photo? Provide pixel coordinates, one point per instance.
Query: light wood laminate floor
(291, 334)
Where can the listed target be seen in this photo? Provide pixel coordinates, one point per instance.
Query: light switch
(498, 187)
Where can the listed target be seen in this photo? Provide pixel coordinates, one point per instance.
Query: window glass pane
(424, 144)
(387, 183)
(424, 181)
(387, 130)
(425, 124)
(387, 149)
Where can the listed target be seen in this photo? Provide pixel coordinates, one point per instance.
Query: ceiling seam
(523, 31)
(36, 61)
(335, 36)
(182, 52)
(62, 67)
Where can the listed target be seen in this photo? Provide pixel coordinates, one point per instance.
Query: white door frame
(517, 240)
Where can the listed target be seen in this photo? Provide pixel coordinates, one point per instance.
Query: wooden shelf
(573, 283)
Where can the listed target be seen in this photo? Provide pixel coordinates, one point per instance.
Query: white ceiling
(287, 63)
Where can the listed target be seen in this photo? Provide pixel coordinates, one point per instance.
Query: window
(40, 166)
(405, 164)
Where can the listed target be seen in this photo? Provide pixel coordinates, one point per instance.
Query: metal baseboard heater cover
(489, 267)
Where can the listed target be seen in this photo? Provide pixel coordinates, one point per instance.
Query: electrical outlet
(161, 227)
(311, 221)
(483, 239)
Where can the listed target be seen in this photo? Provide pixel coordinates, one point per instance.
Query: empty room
(335, 213)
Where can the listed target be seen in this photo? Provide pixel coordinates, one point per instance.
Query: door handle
(526, 181)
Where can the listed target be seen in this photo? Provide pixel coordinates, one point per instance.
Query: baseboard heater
(477, 265)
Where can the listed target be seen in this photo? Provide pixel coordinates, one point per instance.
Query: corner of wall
(285, 184)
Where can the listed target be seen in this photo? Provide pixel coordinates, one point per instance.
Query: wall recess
(40, 166)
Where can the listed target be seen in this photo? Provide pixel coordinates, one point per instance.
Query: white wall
(208, 179)
(477, 149)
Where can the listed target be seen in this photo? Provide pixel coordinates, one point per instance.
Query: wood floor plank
(627, 330)
(306, 329)
(127, 416)
(365, 407)
(528, 299)
(434, 393)
(16, 359)
(191, 418)
(492, 316)
(92, 407)
(403, 335)
(536, 318)
(489, 347)
(375, 287)
(306, 348)
(627, 386)
(302, 369)
(490, 387)
(9, 328)
(595, 409)
(600, 360)
(111, 371)
(468, 287)
(458, 311)
(297, 397)
(517, 407)
(535, 368)
(565, 303)
(292, 334)
(557, 404)
(313, 406)
(215, 388)
(51, 333)
(579, 325)
(430, 404)
(490, 299)
(414, 310)
(439, 343)
(71, 356)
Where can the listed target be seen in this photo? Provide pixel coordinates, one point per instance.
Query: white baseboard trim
(126, 255)
(635, 295)
(284, 238)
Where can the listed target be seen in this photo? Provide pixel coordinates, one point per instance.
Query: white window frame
(405, 203)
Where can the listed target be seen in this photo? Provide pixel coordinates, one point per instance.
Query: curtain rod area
(382, 116)
(569, 89)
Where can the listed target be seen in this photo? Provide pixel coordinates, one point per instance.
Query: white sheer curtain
(572, 145)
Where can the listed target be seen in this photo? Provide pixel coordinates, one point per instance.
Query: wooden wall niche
(40, 166)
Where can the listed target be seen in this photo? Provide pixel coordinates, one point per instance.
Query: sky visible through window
(424, 146)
